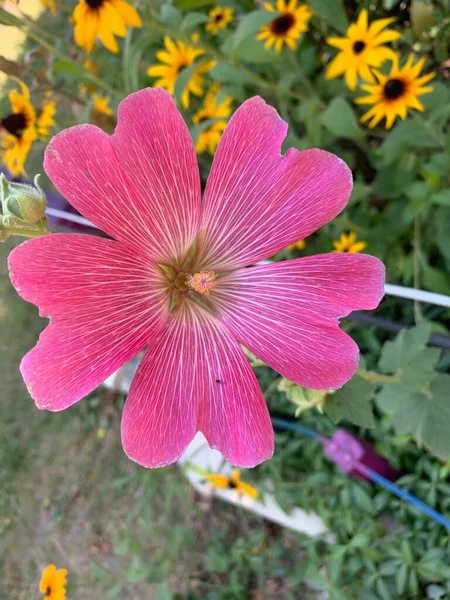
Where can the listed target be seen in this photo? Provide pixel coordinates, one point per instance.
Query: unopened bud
(23, 209)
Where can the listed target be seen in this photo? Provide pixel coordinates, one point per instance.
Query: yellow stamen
(202, 282)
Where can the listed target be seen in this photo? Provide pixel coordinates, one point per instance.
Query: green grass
(70, 496)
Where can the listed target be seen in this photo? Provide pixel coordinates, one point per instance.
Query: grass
(69, 495)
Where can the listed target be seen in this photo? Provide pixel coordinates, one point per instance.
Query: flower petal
(141, 185)
(252, 188)
(104, 309)
(286, 313)
(195, 376)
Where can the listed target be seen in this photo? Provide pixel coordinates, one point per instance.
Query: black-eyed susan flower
(105, 19)
(233, 482)
(298, 245)
(288, 27)
(46, 118)
(393, 94)
(347, 243)
(177, 56)
(18, 130)
(363, 48)
(101, 105)
(53, 583)
(211, 109)
(219, 18)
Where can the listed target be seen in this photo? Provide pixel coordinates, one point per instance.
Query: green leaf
(424, 413)
(252, 50)
(251, 24)
(352, 402)
(408, 344)
(340, 119)
(437, 98)
(183, 79)
(441, 198)
(193, 19)
(192, 4)
(332, 11)
(171, 16)
(404, 136)
(435, 280)
(227, 74)
(68, 68)
(6, 18)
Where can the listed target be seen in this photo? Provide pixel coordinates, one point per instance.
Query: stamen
(202, 282)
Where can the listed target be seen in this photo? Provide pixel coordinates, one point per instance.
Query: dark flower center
(48, 592)
(358, 47)
(282, 24)
(94, 3)
(14, 124)
(393, 89)
(232, 484)
(218, 18)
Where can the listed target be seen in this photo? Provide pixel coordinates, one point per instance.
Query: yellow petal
(128, 13)
(111, 19)
(336, 67)
(107, 38)
(351, 78)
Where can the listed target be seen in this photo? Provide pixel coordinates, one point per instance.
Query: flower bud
(23, 209)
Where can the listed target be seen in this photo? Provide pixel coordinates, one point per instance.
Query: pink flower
(109, 299)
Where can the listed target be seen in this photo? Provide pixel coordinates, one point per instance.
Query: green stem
(416, 269)
(378, 377)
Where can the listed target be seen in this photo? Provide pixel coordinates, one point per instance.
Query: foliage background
(124, 532)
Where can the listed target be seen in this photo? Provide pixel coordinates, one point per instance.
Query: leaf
(424, 413)
(182, 81)
(251, 24)
(404, 136)
(171, 16)
(408, 344)
(227, 74)
(441, 198)
(192, 4)
(340, 119)
(6, 18)
(193, 19)
(435, 280)
(252, 50)
(352, 402)
(68, 68)
(333, 12)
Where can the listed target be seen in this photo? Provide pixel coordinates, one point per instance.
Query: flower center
(14, 124)
(218, 18)
(95, 3)
(48, 592)
(202, 282)
(393, 89)
(232, 484)
(282, 24)
(358, 47)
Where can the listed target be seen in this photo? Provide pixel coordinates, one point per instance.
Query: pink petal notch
(195, 377)
(104, 309)
(287, 313)
(256, 201)
(142, 185)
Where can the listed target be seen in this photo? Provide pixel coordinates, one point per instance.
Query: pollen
(202, 282)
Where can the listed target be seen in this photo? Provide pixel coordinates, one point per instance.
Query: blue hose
(373, 475)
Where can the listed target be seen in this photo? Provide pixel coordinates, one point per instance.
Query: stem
(378, 377)
(418, 317)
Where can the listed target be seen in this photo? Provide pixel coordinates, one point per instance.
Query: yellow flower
(393, 94)
(101, 105)
(361, 49)
(18, 130)
(46, 119)
(176, 57)
(286, 28)
(298, 245)
(348, 243)
(50, 4)
(233, 482)
(53, 583)
(105, 19)
(210, 137)
(219, 18)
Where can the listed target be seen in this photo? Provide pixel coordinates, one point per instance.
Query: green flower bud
(23, 209)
